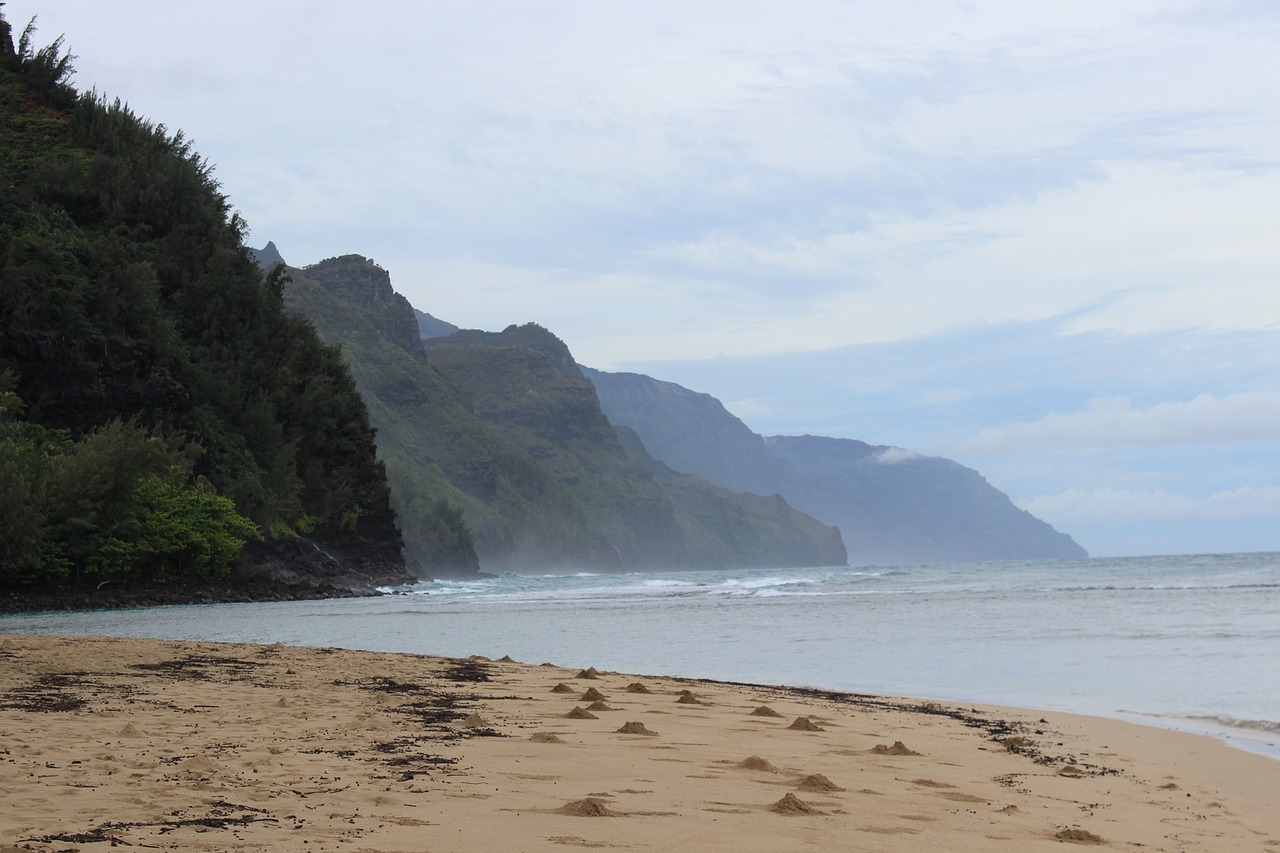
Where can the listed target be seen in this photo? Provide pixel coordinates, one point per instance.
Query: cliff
(891, 505)
(496, 440)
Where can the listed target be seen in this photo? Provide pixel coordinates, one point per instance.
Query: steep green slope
(891, 506)
(505, 429)
(524, 382)
(157, 398)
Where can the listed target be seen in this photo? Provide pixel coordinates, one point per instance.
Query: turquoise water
(1188, 641)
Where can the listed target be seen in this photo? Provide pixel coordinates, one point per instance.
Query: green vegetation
(160, 408)
(499, 440)
(118, 504)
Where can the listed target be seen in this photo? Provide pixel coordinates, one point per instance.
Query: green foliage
(90, 497)
(184, 532)
(110, 506)
(48, 70)
(22, 525)
(139, 323)
(115, 505)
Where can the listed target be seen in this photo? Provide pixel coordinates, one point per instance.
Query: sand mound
(637, 687)
(687, 698)
(282, 702)
(817, 782)
(589, 807)
(200, 765)
(579, 713)
(1080, 836)
(475, 721)
(1017, 743)
(755, 762)
(592, 695)
(506, 659)
(898, 748)
(1070, 770)
(635, 729)
(562, 688)
(598, 706)
(804, 724)
(130, 730)
(545, 737)
(765, 711)
(793, 805)
(589, 672)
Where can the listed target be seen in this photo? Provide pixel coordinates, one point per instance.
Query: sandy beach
(204, 746)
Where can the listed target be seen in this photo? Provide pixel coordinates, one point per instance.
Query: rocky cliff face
(433, 327)
(501, 433)
(891, 505)
(690, 431)
(331, 558)
(898, 506)
(524, 383)
(367, 286)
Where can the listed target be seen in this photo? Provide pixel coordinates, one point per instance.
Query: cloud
(1115, 422)
(1075, 508)
(894, 455)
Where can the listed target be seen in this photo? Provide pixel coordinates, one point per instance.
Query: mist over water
(1188, 641)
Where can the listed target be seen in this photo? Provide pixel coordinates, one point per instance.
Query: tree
(48, 69)
(184, 532)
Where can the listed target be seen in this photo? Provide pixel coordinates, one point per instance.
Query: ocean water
(1189, 642)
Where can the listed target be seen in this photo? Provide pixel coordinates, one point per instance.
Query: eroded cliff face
(505, 431)
(361, 562)
(891, 505)
(359, 282)
(897, 506)
(524, 382)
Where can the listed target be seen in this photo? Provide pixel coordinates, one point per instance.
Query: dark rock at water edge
(230, 590)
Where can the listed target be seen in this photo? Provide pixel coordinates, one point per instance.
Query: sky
(1040, 239)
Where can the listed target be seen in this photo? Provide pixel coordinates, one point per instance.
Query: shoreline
(14, 602)
(199, 745)
(1253, 740)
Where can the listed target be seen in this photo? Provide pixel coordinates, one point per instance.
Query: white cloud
(1076, 508)
(1115, 422)
(894, 455)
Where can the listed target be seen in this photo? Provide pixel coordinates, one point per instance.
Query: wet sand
(166, 745)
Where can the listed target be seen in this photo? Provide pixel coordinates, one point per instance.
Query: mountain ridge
(891, 505)
(499, 438)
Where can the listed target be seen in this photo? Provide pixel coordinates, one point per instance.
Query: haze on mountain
(601, 500)
(893, 506)
(499, 456)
